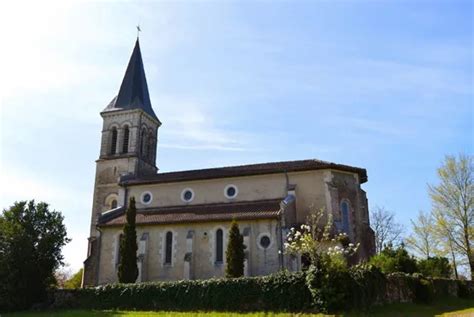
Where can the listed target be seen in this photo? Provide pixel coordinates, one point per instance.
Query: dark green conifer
(235, 252)
(128, 269)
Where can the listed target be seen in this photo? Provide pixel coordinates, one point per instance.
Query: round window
(146, 198)
(187, 195)
(230, 191)
(265, 242)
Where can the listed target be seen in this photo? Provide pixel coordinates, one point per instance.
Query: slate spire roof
(133, 93)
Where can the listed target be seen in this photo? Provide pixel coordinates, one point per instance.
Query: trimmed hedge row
(356, 289)
(279, 292)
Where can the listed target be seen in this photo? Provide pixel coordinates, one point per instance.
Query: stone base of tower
(91, 264)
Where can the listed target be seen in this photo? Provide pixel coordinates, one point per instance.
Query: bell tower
(128, 147)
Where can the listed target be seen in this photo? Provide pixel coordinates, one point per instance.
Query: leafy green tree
(453, 202)
(392, 260)
(435, 267)
(235, 255)
(31, 239)
(423, 240)
(128, 269)
(75, 280)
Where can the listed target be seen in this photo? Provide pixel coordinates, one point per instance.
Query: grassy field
(447, 308)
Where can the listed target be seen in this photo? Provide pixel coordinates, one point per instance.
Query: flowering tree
(319, 241)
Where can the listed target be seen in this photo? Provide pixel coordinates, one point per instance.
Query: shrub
(128, 269)
(368, 286)
(435, 267)
(235, 252)
(394, 260)
(329, 287)
(422, 289)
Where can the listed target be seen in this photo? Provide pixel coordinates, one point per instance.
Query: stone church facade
(183, 217)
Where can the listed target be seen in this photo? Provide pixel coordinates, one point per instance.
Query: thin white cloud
(190, 125)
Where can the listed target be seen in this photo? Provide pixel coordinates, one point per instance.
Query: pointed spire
(133, 93)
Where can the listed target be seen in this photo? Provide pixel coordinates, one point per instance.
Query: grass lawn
(449, 308)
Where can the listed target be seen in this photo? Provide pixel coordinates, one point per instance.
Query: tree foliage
(387, 231)
(435, 267)
(423, 240)
(392, 260)
(319, 240)
(75, 280)
(128, 269)
(235, 254)
(31, 240)
(453, 204)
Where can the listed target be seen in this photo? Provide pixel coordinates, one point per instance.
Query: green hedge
(277, 292)
(357, 288)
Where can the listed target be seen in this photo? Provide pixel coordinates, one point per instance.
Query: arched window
(126, 137)
(113, 205)
(345, 216)
(150, 149)
(219, 246)
(143, 142)
(168, 247)
(113, 141)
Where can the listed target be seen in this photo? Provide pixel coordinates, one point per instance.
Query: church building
(183, 217)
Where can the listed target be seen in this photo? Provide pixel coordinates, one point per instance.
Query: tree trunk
(455, 267)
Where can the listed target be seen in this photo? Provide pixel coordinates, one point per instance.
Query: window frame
(226, 188)
(217, 250)
(168, 249)
(126, 139)
(259, 238)
(142, 196)
(183, 192)
(113, 140)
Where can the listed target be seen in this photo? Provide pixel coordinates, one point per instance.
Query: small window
(230, 191)
(126, 137)
(345, 216)
(168, 247)
(264, 241)
(187, 195)
(113, 205)
(219, 246)
(113, 141)
(146, 198)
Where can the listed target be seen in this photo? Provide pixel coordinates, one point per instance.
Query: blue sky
(385, 85)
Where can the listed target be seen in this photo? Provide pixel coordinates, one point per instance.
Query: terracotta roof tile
(263, 209)
(245, 170)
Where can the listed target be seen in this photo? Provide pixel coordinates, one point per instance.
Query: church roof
(245, 170)
(263, 209)
(133, 93)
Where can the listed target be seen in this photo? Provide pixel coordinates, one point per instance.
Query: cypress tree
(128, 269)
(235, 252)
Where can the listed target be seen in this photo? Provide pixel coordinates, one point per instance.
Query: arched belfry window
(219, 246)
(345, 216)
(168, 247)
(126, 137)
(113, 141)
(113, 205)
(143, 142)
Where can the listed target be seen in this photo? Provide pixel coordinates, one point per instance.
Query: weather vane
(138, 30)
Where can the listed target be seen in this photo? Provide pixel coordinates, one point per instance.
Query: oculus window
(187, 195)
(231, 191)
(146, 198)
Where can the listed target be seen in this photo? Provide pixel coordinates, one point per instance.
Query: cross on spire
(138, 30)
